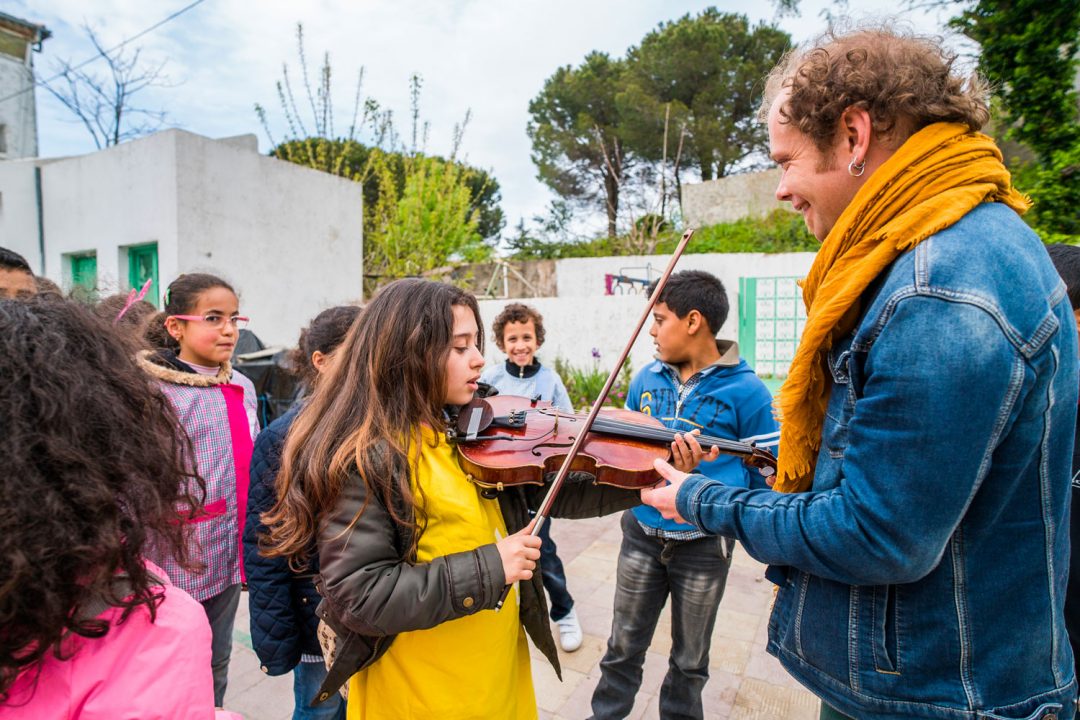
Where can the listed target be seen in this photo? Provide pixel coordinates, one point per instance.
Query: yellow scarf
(933, 180)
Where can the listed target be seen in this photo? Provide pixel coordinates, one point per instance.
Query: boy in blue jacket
(696, 383)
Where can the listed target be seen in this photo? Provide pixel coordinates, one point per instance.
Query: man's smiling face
(817, 184)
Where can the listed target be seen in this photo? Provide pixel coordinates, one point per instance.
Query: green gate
(771, 321)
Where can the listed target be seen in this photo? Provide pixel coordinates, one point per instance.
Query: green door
(143, 266)
(84, 272)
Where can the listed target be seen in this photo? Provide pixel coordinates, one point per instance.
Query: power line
(91, 59)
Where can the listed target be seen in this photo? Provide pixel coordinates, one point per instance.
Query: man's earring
(856, 169)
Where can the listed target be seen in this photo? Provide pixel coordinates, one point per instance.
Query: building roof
(31, 31)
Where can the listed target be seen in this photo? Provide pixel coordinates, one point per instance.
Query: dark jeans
(551, 569)
(221, 612)
(694, 574)
(307, 679)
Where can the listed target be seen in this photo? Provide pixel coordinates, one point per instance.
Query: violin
(506, 440)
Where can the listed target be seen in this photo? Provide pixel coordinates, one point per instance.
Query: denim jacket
(926, 569)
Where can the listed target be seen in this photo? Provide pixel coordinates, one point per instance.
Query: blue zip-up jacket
(281, 603)
(730, 402)
(927, 566)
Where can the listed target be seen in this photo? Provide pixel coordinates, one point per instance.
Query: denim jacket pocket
(885, 624)
(841, 405)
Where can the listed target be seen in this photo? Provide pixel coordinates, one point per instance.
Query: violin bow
(564, 469)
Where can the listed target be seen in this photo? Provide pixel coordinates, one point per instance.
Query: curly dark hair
(94, 473)
(904, 81)
(517, 313)
(324, 334)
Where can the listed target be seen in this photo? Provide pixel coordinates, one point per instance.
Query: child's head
(319, 339)
(201, 318)
(16, 277)
(519, 332)
(134, 320)
(691, 309)
(93, 468)
(415, 348)
(1066, 259)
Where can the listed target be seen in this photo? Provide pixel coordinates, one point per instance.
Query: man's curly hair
(904, 81)
(517, 313)
(94, 472)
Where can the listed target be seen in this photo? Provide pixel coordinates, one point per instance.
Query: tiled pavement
(745, 683)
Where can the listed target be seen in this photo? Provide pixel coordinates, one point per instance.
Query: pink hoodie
(138, 671)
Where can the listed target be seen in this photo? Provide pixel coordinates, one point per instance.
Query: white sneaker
(569, 632)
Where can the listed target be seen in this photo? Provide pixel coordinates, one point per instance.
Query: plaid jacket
(219, 414)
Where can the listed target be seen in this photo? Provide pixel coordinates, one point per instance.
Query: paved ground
(744, 683)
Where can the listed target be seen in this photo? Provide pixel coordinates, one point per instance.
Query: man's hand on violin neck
(519, 553)
(662, 496)
(686, 452)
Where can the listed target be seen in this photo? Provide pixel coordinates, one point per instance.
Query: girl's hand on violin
(686, 452)
(519, 553)
(662, 495)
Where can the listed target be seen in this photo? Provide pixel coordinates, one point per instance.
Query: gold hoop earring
(856, 169)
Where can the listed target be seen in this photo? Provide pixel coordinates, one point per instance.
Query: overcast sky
(489, 56)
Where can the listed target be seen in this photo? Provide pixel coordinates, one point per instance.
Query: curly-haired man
(920, 535)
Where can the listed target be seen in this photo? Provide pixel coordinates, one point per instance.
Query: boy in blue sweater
(519, 332)
(696, 383)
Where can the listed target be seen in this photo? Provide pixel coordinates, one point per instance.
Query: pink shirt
(138, 671)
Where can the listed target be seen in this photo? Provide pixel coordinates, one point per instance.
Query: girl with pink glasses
(217, 410)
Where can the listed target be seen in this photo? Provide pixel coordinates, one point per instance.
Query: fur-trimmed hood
(167, 369)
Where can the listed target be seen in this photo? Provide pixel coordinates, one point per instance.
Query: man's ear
(857, 127)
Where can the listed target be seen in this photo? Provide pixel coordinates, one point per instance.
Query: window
(84, 274)
(3, 139)
(142, 266)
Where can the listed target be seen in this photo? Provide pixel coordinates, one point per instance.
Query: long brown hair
(384, 381)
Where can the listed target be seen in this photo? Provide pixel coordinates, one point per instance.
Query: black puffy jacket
(282, 603)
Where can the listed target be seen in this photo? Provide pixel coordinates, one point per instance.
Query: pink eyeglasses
(215, 321)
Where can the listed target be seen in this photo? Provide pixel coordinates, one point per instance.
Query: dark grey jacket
(373, 588)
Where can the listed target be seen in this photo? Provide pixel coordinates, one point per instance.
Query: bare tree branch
(105, 105)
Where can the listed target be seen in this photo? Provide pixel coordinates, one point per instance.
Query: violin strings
(643, 432)
(666, 435)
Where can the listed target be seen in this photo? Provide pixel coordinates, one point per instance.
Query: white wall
(288, 238)
(18, 211)
(582, 317)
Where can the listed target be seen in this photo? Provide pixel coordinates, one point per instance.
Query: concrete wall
(18, 114)
(731, 198)
(18, 210)
(289, 238)
(582, 317)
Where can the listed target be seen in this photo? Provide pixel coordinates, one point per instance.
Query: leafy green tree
(430, 224)
(421, 211)
(708, 70)
(1029, 54)
(575, 127)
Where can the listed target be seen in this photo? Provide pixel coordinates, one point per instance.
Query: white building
(287, 237)
(19, 40)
